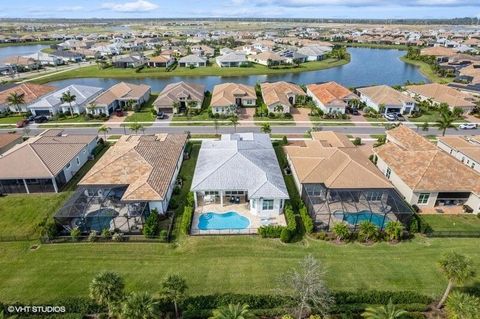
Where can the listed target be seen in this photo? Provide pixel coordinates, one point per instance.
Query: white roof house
(314, 52)
(243, 165)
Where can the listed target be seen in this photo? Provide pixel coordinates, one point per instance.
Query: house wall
(271, 108)
(399, 184)
(256, 207)
(460, 156)
(323, 107)
(403, 107)
(74, 166)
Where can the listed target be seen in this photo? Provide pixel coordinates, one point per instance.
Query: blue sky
(240, 8)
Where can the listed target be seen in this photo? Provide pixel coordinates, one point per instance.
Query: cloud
(133, 6)
(363, 3)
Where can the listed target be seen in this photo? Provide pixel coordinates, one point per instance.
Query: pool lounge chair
(237, 200)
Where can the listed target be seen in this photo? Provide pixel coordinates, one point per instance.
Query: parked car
(22, 123)
(40, 119)
(31, 118)
(467, 126)
(119, 112)
(400, 117)
(160, 115)
(355, 111)
(390, 116)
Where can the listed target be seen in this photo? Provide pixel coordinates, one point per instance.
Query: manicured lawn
(21, 214)
(74, 119)
(95, 72)
(430, 116)
(11, 119)
(145, 113)
(242, 264)
(427, 71)
(453, 222)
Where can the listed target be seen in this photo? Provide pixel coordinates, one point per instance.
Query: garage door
(42, 112)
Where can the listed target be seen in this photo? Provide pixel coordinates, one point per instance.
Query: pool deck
(241, 209)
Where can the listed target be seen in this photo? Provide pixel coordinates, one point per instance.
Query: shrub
(49, 229)
(93, 236)
(394, 229)
(286, 235)
(118, 237)
(341, 231)
(367, 231)
(173, 204)
(357, 141)
(151, 227)
(190, 200)
(186, 220)
(270, 231)
(163, 235)
(75, 234)
(306, 219)
(284, 140)
(290, 217)
(106, 234)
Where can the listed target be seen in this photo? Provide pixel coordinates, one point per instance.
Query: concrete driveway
(300, 114)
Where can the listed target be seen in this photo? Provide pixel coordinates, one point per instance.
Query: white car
(467, 126)
(390, 116)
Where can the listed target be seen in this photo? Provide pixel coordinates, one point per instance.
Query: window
(313, 190)
(78, 161)
(374, 196)
(68, 165)
(211, 193)
(254, 202)
(228, 193)
(423, 198)
(388, 173)
(267, 204)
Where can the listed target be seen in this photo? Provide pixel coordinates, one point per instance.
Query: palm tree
(266, 128)
(384, 312)
(15, 100)
(341, 230)
(460, 305)
(106, 289)
(129, 104)
(135, 127)
(458, 269)
(139, 306)
(232, 311)
(394, 230)
(69, 98)
(104, 129)
(234, 122)
(445, 122)
(278, 108)
(174, 288)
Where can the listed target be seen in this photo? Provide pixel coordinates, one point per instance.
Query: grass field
(145, 113)
(453, 222)
(427, 71)
(222, 264)
(11, 119)
(95, 72)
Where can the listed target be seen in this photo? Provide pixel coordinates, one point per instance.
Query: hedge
(306, 219)
(290, 217)
(270, 231)
(186, 220)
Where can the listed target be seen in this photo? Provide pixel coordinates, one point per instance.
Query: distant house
(9, 140)
(314, 52)
(118, 96)
(227, 97)
(46, 59)
(280, 96)
(442, 54)
(465, 149)
(267, 58)
(330, 97)
(232, 59)
(192, 60)
(129, 62)
(176, 97)
(160, 61)
(52, 103)
(390, 99)
(203, 50)
(30, 93)
(69, 56)
(293, 57)
(44, 163)
(440, 93)
(22, 63)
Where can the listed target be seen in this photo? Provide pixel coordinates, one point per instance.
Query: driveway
(118, 119)
(300, 114)
(246, 113)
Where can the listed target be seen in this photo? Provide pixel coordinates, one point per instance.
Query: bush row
(186, 220)
(270, 231)
(306, 219)
(290, 231)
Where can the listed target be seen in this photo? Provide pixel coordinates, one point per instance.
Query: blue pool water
(100, 219)
(364, 215)
(219, 221)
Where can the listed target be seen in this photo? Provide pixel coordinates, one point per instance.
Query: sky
(390, 9)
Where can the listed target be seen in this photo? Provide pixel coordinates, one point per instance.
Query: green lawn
(431, 116)
(11, 119)
(241, 264)
(95, 72)
(145, 114)
(453, 222)
(427, 71)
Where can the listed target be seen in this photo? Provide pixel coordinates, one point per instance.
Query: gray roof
(192, 58)
(314, 50)
(243, 161)
(82, 93)
(232, 57)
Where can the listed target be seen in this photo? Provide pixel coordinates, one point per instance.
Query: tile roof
(174, 91)
(145, 163)
(331, 92)
(160, 59)
(82, 93)
(8, 138)
(438, 51)
(468, 145)
(43, 156)
(383, 94)
(278, 92)
(192, 58)
(30, 92)
(223, 165)
(122, 91)
(331, 159)
(224, 94)
(441, 93)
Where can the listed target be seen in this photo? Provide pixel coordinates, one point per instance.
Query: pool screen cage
(328, 206)
(99, 208)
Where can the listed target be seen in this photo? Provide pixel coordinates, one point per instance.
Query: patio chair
(237, 200)
(232, 199)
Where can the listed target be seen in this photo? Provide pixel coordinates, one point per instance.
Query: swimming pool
(363, 215)
(100, 219)
(220, 221)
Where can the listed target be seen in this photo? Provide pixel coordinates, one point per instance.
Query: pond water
(367, 67)
(20, 50)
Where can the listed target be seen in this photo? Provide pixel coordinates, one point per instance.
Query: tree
(104, 129)
(69, 98)
(384, 312)
(445, 122)
(458, 269)
(130, 105)
(174, 288)
(135, 127)
(394, 229)
(234, 122)
(266, 128)
(232, 311)
(460, 305)
(139, 306)
(308, 288)
(107, 289)
(278, 108)
(15, 100)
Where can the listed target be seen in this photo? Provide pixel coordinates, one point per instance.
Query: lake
(20, 50)
(367, 67)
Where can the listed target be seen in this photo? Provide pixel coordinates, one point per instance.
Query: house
(52, 103)
(192, 60)
(22, 63)
(30, 92)
(44, 163)
(203, 50)
(232, 59)
(441, 54)
(69, 56)
(267, 58)
(293, 57)
(220, 171)
(46, 59)
(384, 99)
(132, 61)
(9, 140)
(440, 93)
(314, 52)
(280, 96)
(118, 96)
(425, 175)
(330, 97)
(161, 61)
(227, 97)
(143, 169)
(176, 97)
(339, 183)
(466, 149)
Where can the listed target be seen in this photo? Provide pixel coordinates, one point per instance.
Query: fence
(245, 231)
(99, 239)
(457, 234)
